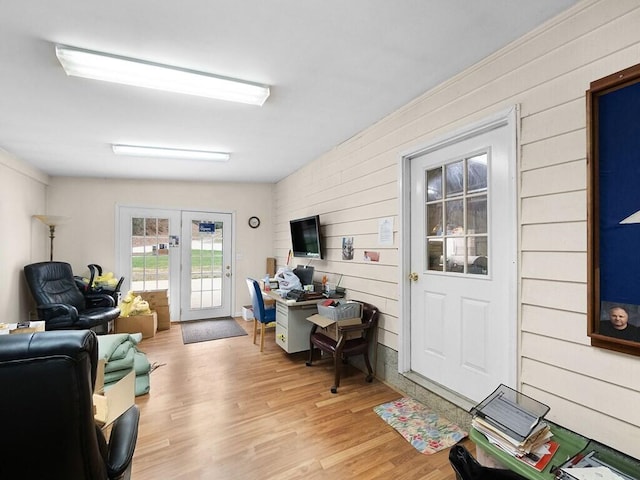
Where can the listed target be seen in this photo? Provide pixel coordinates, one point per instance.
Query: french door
(206, 266)
(188, 253)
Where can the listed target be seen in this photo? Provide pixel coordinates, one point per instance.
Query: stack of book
(515, 423)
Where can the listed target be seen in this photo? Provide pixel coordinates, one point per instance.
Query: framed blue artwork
(613, 221)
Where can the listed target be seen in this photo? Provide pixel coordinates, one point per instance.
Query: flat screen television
(305, 237)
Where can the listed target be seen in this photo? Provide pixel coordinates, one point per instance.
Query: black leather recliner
(48, 430)
(62, 305)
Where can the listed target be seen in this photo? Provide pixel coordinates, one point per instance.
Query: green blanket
(116, 346)
(121, 355)
(139, 363)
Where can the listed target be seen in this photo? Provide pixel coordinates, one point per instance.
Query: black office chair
(88, 287)
(468, 468)
(61, 304)
(48, 428)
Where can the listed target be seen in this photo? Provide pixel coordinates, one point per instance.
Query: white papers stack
(516, 447)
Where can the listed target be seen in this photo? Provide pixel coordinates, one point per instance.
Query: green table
(569, 443)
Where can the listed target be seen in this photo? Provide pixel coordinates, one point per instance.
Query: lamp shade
(52, 220)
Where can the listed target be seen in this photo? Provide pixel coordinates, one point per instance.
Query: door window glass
(149, 253)
(461, 208)
(206, 264)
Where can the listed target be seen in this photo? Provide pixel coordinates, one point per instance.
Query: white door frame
(509, 118)
(175, 290)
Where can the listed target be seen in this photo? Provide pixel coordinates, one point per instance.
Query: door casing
(122, 253)
(509, 118)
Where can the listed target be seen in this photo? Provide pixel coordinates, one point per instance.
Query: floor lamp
(52, 221)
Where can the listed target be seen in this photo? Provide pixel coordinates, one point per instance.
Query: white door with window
(187, 253)
(206, 265)
(462, 280)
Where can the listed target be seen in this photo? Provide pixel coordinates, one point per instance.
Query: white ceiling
(335, 67)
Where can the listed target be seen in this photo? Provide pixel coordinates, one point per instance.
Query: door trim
(509, 118)
(175, 290)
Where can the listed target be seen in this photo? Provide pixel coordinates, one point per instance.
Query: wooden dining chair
(261, 316)
(343, 348)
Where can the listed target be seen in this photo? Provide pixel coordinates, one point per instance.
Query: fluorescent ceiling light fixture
(141, 151)
(79, 62)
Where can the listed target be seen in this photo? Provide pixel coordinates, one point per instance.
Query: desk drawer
(282, 336)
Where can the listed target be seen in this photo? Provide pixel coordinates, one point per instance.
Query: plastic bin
(341, 311)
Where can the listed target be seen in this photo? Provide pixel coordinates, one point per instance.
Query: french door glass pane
(477, 173)
(454, 173)
(454, 217)
(461, 208)
(434, 184)
(206, 264)
(149, 253)
(434, 254)
(477, 214)
(477, 254)
(434, 219)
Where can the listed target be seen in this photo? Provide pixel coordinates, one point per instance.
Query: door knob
(413, 276)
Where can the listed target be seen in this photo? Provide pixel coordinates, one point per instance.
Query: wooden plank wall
(546, 73)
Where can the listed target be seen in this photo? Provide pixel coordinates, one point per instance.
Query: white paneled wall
(546, 73)
(25, 239)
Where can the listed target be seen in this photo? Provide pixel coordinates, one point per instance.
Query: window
(149, 253)
(457, 237)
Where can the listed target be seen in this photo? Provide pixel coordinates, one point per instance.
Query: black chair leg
(308, 364)
(369, 377)
(338, 368)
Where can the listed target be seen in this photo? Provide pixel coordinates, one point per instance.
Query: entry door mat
(211, 329)
(427, 431)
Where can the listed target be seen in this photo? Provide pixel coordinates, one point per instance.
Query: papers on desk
(589, 467)
(516, 447)
(514, 422)
(594, 473)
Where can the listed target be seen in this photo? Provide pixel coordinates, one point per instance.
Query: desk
(292, 326)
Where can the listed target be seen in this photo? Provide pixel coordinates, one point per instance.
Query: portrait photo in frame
(613, 220)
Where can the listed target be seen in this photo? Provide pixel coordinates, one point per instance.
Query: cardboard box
(247, 312)
(110, 404)
(164, 322)
(329, 327)
(10, 328)
(155, 298)
(271, 266)
(145, 324)
(273, 284)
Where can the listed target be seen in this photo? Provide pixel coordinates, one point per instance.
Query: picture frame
(613, 211)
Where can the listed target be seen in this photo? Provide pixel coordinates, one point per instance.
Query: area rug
(419, 425)
(211, 329)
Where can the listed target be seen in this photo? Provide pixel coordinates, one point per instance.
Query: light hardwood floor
(221, 410)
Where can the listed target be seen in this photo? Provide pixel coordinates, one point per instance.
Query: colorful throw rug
(420, 426)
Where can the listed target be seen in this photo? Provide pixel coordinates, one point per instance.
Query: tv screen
(305, 237)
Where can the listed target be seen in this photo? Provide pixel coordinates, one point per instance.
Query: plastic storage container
(341, 311)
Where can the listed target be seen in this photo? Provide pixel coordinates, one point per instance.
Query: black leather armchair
(48, 430)
(62, 305)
